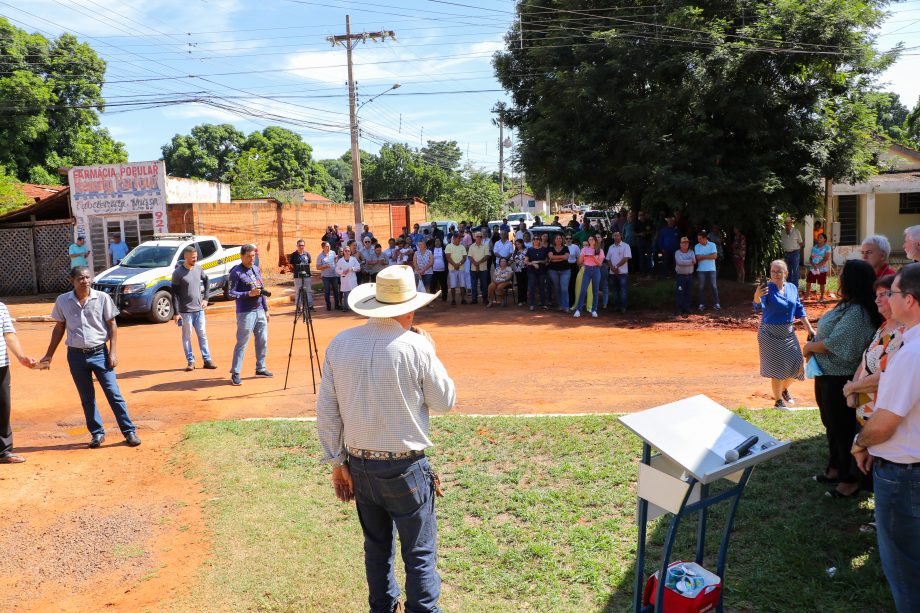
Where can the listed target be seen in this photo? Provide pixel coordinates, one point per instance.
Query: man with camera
(300, 262)
(247, 289)
(380, 382)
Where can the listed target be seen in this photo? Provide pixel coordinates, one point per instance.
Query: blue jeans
(298, 283)
(536, 282)
(189, 321)
(560, 281)
(426, 280)
(684, 292)
(591, 275)
(897, 516)
(398, 494)
(793, 260)
(708, 278)
(331, 286)
(82, 368)
(479, 278)
(618, 285)
(251, 323)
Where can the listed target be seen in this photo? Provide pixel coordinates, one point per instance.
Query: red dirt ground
(122, 528)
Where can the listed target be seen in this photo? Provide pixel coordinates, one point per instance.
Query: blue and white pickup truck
(142, 283)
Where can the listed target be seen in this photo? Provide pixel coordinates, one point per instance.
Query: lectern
(691, 438)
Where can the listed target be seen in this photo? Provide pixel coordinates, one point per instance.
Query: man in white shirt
(618, 256)
(380, 381)
(889, 445)
(792, 248)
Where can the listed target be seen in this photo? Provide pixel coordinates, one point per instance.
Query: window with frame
(909, 203)
(848, 216)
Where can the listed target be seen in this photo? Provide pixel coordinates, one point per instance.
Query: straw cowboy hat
(395, 293)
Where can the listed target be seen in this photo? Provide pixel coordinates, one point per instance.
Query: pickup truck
(141, 284)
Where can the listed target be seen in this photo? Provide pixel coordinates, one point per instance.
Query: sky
(255, 63)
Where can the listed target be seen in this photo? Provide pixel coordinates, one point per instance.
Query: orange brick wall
(257, 221)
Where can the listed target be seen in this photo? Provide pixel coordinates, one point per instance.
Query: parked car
(443, 226)
(514, 219)
(602, 219)
(551, 230)
(142, 283)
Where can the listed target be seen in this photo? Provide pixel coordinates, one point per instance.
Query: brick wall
(258, 221)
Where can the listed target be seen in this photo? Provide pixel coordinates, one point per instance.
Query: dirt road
(122, 528)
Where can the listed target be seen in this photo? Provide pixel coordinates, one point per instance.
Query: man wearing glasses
(300, 262)
(365, 258)
(889, 446)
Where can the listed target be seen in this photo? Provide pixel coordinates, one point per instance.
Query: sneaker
(593, 313)
(544, 307)
(531, 308)
(210, 365)
(576, 314)
(780, 405)
(787, 397)
(718, 307)
(190, 367)
(702, 308)
(235, 379)
(264, 373)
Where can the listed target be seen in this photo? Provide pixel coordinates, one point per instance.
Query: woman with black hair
(844, 332)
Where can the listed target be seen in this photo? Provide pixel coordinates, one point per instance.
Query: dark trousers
(439, 282)
(83, 366)
(536, 283)
(684, 292)
(331, 287)
(397, 496)
(572, 278)
(6, 430)
(840, 423)
(520, 279)
(479, 279)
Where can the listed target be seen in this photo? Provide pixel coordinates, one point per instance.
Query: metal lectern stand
(691, 436)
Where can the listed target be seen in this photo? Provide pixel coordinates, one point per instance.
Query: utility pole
(349, 41)
(501, 155)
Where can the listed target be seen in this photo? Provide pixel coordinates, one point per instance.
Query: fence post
(33, 257)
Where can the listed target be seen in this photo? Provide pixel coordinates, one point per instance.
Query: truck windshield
(517, 217)
(149, 257)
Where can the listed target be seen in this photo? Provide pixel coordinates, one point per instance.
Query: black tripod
(302, 311)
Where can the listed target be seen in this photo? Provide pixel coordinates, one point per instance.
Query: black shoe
(210, 365)
(132, 440)
(96, 441)
(311, 308)
(190, 367)
(264, 373)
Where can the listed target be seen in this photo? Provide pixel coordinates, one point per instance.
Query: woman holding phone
(781, 358)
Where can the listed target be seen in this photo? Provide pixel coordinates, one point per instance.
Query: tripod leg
(290, 350)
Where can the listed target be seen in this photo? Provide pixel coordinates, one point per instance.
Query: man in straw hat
(380, 381)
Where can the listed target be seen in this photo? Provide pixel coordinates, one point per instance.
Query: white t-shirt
(899, 392)
(616, 253)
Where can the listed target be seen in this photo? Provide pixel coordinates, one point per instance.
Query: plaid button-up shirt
(379, 383)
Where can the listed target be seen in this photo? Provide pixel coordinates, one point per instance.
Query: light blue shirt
(707, 249)
(76, 249)
(118, 251)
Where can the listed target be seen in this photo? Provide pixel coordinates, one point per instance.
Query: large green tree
(443, 153)
(399, 171)
(208, 153)
(732, 109)
(51, 93)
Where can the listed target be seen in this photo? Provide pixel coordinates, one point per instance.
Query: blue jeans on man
(897, 517)
(250, 323)
(298, 283)
(793, 261)
(707, 278)
(331, 287)
(194, 320)
(684, 293)
(82, 368)
(400, 495)
(618, 288)
(592, 275)
(536, 282)
(560, 281)
(479, 279)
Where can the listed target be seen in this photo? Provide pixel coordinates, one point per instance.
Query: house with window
(885, 204)
(528, 203)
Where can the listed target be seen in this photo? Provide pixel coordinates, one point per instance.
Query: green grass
(539, 516)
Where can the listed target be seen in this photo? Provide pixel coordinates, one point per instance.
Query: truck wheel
(161, 310)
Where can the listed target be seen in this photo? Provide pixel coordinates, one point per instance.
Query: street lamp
(357, 186)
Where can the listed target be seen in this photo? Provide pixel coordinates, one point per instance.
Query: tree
(249, 175)
(725, 107)
(11, 195)
(340, 170)
(443, 153)
(290, 159)
(472, 195)
(890, 115)
(208, 153)
(51, 91)
(912, 127)
(399, 171)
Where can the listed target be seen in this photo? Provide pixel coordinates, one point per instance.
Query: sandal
(11, 458)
